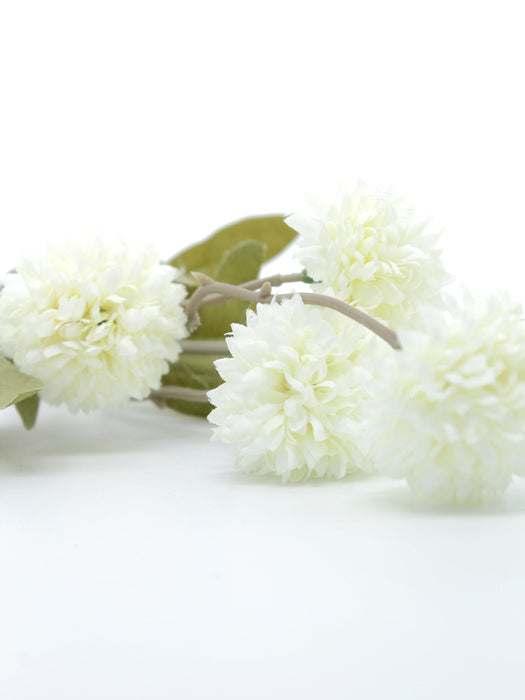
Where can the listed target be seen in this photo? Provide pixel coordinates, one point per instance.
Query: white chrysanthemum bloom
(449, 413)
(96, 321)
(293, 392)
(368, 250)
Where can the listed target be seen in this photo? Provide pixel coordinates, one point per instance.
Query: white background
(135, 561)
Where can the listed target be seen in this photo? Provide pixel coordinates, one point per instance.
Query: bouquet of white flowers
(366, 364)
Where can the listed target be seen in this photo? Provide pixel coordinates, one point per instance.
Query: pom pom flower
(450, 408)
(97, 322)
(368, 250)
(293, 392)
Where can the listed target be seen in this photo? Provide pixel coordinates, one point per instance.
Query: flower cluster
(293, 393)
(454, 399)
(369, 250)
(97, 322)
(305, 391)
(446, 412)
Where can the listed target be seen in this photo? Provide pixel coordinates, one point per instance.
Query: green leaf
(241, 263)
(238, 265)
(197, 372)
(28, 410)
(14, 385)
(205, 256)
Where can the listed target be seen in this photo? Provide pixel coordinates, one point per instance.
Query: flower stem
(385, 333)
(274, 280)
(227, 291)
(204, 347)
(182, 393)
(264, 295)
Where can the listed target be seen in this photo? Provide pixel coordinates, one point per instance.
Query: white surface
(135, 562)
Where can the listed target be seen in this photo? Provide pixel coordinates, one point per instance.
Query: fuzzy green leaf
(238, 265)
(206, 256)
(196, 372)
(28, 410)
(14, 385)
(241, 263)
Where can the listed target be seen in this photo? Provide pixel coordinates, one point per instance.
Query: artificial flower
(96, 321)
(369, 250)
(450, 407)
(293, 392)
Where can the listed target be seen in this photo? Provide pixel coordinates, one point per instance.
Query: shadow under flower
(60, 435)
(398, 498)
(235, 475)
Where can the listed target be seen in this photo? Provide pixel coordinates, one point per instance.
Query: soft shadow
(238, 477)
(401, 500)
(135, 428)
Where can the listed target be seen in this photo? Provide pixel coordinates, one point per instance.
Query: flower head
(367, 249)
(293, 392)
(96, 321)
(450, 407)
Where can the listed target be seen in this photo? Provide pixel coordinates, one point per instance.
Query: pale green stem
(274, 280)
(385, 333)
(264, 295)
(182, 393)
(229, 291)
(204, 347)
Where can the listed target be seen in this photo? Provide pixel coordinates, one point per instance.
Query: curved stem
(385, 333)
(204, 347)
(274, 280)
(182, 393)
(229, 291)
(264, 295)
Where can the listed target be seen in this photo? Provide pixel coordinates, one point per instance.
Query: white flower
(368, 250)
(450, 410)
(293, 392)
(96, 321)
